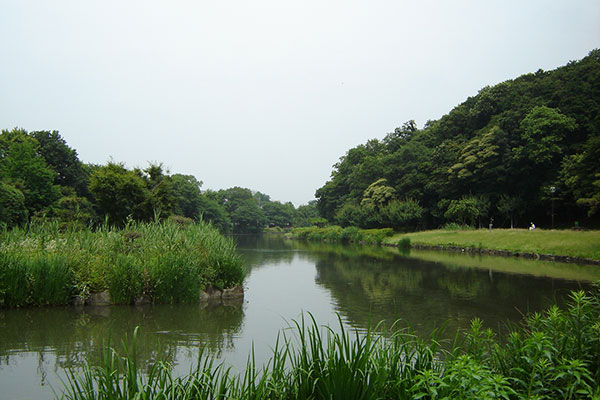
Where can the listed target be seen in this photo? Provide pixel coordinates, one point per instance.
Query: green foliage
(510, 207)
(453, 226)
(29, 172)
(45, 279)
(543, 129)
(338, 234)
(378, 195)
(12, 206)
(278, 214)
(467, 210)
(243, 209)
(63, 160)
(176, 278)
(405, 214)
(213, 212)
(510, 141)
(168, 261)
(350, 214)
(42, 179)
(552, 355)
(159, 199)
(404, 243)
(118, 192)
(306, 214)
(186, 195)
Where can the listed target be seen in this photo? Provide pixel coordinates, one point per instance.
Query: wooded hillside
(504, 154)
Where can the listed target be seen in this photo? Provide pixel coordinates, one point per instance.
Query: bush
(404, 243)
(453, 226)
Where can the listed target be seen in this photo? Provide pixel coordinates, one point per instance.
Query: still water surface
(362, 285)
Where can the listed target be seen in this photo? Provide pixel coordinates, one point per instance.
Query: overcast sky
(264, 94)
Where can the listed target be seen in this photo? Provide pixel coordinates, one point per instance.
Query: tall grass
(45, 264)
(549, 355)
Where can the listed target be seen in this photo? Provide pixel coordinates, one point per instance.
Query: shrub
(404, 243)
(453, 226)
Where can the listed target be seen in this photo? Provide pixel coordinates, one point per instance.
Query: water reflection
(77, 335)
(427, 289)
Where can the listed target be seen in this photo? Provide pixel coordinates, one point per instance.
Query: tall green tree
(159, 199)
(306, 214)
(63, 160)
(279, 214)
(27, 171)
(119, 193)
(186, 195)
(242, 207)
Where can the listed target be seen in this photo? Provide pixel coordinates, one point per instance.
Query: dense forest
(42, 178)
(524, 150)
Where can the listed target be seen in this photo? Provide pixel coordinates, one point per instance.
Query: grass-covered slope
(43, 265)
(584, 244)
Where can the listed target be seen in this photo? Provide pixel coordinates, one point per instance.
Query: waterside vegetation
(568, 243)
(164, 262)
(571, 243)
(334, 233)
(553, 354)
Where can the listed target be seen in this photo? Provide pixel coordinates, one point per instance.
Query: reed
(47, 264)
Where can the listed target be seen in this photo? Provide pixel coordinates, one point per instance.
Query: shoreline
(502, 253)
(565, 246)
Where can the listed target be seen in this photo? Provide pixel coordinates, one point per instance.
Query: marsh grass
(549, 355)
(46, 264)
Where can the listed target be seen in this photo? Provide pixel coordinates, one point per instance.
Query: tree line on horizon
(42, 178)
(524, 150)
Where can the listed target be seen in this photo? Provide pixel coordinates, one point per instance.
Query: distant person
(532, 226)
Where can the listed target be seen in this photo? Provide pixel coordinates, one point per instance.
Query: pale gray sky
(264, 94)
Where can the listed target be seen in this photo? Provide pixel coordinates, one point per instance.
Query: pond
(361, 284)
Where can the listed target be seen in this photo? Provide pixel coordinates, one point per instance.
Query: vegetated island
(172, 261)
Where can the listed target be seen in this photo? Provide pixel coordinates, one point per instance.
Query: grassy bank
(167, 262)
(341, 235)
(584, 244)
(550, 355)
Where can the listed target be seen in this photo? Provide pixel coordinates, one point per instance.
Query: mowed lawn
(571, 243)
